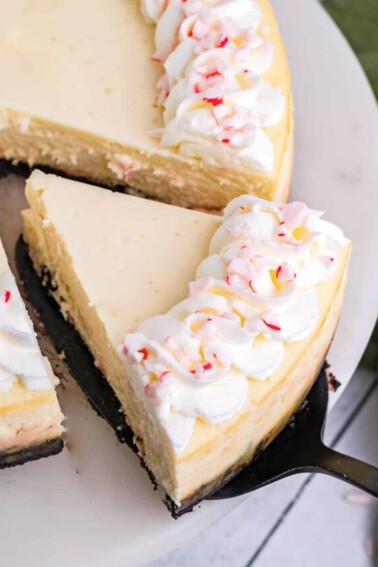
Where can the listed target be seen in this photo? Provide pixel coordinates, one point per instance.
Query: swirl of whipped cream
(216, 104)
(20, 357)
(253, 294)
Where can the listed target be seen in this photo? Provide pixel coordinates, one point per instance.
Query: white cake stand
(93, 505)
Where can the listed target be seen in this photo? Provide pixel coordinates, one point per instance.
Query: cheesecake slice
(30, 417)
(210, 330)
(188, 102)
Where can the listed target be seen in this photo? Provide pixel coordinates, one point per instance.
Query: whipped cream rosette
(216, 102)
(20, 357)
(252, 295)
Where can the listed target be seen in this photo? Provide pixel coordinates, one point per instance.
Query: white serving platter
(93, 505)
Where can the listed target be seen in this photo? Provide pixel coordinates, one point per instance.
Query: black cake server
(299, 448)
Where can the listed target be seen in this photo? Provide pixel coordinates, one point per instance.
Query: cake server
(300, 449)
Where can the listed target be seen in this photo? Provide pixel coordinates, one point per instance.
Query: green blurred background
(358, 20)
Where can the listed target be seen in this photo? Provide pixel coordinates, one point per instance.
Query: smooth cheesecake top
(133, 257)
(86, 65)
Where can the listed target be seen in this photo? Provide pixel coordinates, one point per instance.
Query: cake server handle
(349, 469)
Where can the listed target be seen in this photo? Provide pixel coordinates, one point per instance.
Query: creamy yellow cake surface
(29, 409)
(79, 94)
(120, 261)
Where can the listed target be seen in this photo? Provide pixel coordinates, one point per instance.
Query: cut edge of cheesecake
(188, 478)
(79, 149)
(30, 415)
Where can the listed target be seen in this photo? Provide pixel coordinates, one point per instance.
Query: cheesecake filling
(254, 294)
(216, 103)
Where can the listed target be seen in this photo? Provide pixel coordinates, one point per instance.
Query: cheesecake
(187, 102)
(30, 417)
(210, 330)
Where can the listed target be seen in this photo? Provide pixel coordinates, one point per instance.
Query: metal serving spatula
(300, 448)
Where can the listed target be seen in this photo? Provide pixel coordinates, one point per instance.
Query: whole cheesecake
(188, 102)
(210, 330)
(30, 417)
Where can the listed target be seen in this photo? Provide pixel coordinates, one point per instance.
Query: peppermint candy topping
(216, 103)
(252, 295)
